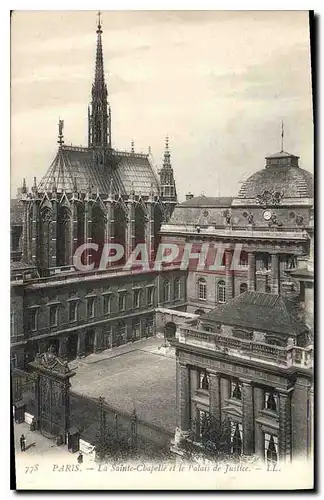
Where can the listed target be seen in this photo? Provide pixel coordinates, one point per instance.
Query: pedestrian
(80, 458)
(22, 443)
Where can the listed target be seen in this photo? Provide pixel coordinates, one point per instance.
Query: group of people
(23, 448)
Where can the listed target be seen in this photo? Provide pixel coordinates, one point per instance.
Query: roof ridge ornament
(60, 134)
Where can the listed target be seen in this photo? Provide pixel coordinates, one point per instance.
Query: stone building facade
(263, 231)
(249, 363)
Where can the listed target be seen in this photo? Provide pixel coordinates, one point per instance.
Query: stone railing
(247, 349)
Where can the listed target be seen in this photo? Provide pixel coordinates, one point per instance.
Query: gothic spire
(167, 161)
(99, 131)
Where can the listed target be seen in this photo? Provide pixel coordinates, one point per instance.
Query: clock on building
(267, 215)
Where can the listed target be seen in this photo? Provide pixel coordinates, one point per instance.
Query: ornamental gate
(52, 384)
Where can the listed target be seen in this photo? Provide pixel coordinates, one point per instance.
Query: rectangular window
(90, 307)
(271, 401)
(203, 380)
(53, 314)
(177, 289)
(136, 298)
(32, 320)
(150, 295)
(107, 303)
(236, 438)
(122, 301)
(271, 449)
(236, 390)
(73, 306)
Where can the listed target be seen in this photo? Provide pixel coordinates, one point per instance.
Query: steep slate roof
(201, 210)
(77, 163)
(258, 311)
(16, 212)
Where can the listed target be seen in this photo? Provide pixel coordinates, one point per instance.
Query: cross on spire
(99, 22)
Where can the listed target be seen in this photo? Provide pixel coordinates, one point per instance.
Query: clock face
(267, 215)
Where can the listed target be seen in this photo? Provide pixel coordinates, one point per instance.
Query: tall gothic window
(236, 438)
(270, 448)
(202, 289)
(221, 293)
(166, 291)
(236, 390)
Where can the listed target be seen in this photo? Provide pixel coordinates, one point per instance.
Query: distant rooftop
(258, 311)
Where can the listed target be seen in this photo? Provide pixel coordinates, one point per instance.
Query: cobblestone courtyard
(142, 375)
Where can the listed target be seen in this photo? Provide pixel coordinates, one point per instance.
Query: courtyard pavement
(141, 375)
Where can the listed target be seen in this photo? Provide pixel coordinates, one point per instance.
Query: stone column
(130, 230)
(258, 396)
(228, 275)
(34, 233)
(53, 235)
(251, 272)
(215, 401)
(81, 344)
(284, 437)
(275, 273)
(63, 347)
(183, 411)
(73, 231)
(248, 418)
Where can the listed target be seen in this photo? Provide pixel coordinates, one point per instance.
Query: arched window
(243, 259)
(202, 289)
(221, 294)
(166, 291)
(243, 287)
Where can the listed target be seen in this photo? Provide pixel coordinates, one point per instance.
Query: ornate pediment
(269, 198)
(49, 361)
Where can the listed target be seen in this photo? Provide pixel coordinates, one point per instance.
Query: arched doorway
(31, 350)
(199, 312)
(243, 287)
(120, 333)
(89, 342)
(72, 347)
(170, 330)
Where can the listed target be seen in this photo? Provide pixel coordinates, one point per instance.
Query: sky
(218, 83)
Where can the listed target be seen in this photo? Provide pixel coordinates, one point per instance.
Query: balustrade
(291, 356)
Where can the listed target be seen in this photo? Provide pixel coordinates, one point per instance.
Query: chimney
(189, 196)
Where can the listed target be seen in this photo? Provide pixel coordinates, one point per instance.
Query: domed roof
(282, 175)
